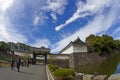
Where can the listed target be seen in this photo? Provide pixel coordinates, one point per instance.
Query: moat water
(109, 66)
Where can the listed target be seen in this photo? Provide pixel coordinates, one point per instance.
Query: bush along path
(61, 73)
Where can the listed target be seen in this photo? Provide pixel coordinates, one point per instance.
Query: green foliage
(8, 59)
(117, 43)
(103, 44)
(4, 58)
(64, 74)
(13, 46)
(22, 46)
(4, 46)
(26, 56)
(53, 67)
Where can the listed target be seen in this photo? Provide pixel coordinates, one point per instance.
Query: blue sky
(54, 23)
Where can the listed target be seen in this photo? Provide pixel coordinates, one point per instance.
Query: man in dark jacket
(18, 64)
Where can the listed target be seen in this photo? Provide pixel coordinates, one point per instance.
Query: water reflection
(118, 68)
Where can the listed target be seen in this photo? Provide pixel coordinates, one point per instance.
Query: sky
(55, 23)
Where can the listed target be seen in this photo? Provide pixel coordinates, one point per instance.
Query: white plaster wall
(62, 57)
(30, 54)
(19, 53)
(68, 51)
(80, 49)
(22, 53)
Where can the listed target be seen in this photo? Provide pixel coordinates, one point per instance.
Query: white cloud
(65, 34)
(53, 15)
(100, 23)
(56, 7)
(5, 4)
(90, 8)
(36, 20)
(39, 19)
(70, 20)
(53, 6)
(116, 31)
(44, 42)
(8, 33)
(60, 11)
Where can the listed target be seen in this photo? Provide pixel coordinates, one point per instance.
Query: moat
(109, 66)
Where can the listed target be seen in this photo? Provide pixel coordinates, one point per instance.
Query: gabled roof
(77, 41)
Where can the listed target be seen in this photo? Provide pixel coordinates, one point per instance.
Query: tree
(4, 46)
(103, 44)
(106, 45)
(12, 46)
(90, 41)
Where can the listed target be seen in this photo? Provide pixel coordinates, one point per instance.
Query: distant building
(74, 47)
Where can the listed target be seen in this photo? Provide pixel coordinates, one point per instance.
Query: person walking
(18, 64)
(12, 63)
(28, 63)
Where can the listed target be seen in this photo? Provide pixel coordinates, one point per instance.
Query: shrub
(64, 74)
(53, 67)
(8, 60)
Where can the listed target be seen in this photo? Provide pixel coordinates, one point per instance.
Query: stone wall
(76, 60)
(59, 62)
(80, 59)
(80, 76)
(83, 58)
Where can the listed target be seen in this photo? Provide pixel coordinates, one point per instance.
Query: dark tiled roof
(75, 42)
(78, 41)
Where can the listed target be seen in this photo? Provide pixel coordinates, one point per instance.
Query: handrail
(4, 63)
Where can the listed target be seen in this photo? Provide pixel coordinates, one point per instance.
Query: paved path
(34, 72)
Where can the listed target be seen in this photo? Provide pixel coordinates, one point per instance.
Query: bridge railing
(4, 63)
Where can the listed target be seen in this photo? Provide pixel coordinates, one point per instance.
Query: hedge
(64, 74)
(53, 67)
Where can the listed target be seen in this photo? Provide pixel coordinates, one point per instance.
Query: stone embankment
(80, 76)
